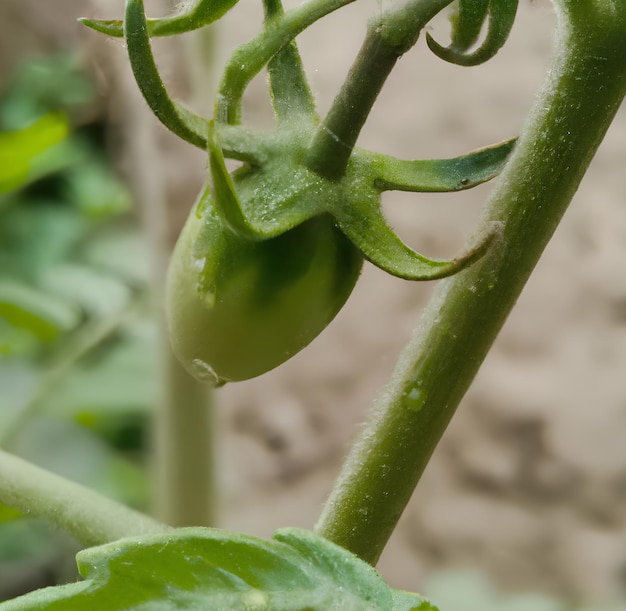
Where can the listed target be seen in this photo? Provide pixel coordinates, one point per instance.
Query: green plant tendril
(250, 58)
(178, 119)
(202, 13)
(277, 189)
(289, 87)
(467, 22)
(472, 15)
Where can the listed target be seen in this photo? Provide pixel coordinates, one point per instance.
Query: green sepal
(225, 197)
(203, 568)
(202, 13)
(440, 175)
(289, 87)
(259, 203)
(178, 119)
(501, 18)
(362, 220)
(250, 58)
(468, 23)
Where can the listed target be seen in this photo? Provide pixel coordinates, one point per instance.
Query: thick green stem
(88, 516)
(585, 87)
(387, 39)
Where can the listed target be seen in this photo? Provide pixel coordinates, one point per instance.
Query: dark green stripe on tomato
(238, 308)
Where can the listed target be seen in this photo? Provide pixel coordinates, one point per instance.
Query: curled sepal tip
(202, 13)
(363, 222)
(467, 22)
(176, 118)
(501, 15)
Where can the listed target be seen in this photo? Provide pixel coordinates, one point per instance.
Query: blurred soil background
(528, 485)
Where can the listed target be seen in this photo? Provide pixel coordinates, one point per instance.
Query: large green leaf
(198, 568)
(19, 148)
(36, 236)
(8, 514)
(49, 83)
(74, 452)
(40, 313)
(472, 591)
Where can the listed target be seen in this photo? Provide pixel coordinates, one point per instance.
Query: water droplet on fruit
(205, 373)
(199, 263)
(206, 288)
(209, 293)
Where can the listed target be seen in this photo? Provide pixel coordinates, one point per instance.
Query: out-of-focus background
(527, 490)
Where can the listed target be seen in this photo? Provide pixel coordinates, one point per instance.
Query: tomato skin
(238, 308)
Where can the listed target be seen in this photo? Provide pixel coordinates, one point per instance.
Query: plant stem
(583, 91)
(184, 465)
(88, 516)
(183, 432)
(387, 39)
(335, 138)
(183, 478)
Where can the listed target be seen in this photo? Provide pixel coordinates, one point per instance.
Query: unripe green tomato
(238, 308)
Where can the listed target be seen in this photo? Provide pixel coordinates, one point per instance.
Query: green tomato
(238, 308)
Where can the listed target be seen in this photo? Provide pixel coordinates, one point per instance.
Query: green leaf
(116, 383)
(76, 453)
(96, 190)
(47, 84)
(8, 514)
(18, 380)
(19, 148)
(196, 568)
(121, 252)
(472, 591)
(35, 236)
(96, 293)
(40, 313)
(16, 342)
(407, 601)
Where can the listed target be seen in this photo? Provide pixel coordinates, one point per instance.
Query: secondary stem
(387, 39)
(584, 90)
(334, 140)
(88, 516)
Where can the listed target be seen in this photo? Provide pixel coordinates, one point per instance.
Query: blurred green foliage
(472, 591)
(77, 336)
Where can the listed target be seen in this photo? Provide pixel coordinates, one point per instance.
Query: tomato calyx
(273, 249)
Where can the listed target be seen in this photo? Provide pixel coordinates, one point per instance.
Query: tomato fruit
(238, 308)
